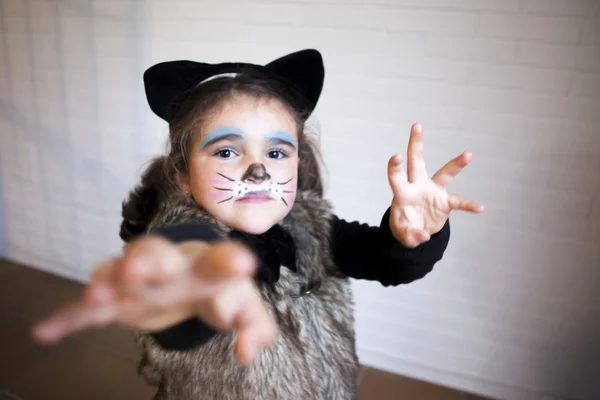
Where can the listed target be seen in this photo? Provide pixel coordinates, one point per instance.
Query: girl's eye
(276, 154)
(225, 153)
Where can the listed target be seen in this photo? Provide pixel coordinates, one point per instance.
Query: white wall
(512, 309)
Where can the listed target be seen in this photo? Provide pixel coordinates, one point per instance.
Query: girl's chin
(253, 229)
(256, 223)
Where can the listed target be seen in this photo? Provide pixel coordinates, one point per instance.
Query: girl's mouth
(255, 197)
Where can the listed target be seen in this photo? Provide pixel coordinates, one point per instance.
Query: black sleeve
(192, 332)
(372, 253)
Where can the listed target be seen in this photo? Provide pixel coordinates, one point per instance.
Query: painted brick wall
(510, 312)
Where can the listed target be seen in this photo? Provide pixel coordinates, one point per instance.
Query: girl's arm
(156, 284)
(372, 253)
(414, 231)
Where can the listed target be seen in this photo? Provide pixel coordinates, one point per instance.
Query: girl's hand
(421, 206)
(157, 284)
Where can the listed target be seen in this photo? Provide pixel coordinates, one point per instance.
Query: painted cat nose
(256, 173)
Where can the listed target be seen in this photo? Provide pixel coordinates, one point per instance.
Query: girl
(236, 272)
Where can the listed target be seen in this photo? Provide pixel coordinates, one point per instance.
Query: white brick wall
(511, 310)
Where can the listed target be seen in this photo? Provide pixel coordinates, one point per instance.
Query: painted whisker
(288, 191)
(286, 182)
(222, 201)
(284, 202)
(223, 189)
(228, 178)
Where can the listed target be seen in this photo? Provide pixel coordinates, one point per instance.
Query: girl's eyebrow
(282, 137)
(221, 133)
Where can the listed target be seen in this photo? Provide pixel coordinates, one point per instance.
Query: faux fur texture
(314, 356)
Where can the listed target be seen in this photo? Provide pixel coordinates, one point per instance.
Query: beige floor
(101, 364)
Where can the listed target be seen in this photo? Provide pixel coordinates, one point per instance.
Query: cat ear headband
(167, 83)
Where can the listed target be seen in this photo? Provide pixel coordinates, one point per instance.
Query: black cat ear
(168, 82)
(305, 71)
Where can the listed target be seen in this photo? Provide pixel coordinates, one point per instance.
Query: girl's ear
(183, 181)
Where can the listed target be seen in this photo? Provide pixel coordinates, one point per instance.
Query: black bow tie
(273, 249)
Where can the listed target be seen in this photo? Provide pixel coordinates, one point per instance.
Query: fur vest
(314, 355)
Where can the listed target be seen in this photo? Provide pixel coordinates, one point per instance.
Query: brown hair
(159, 179)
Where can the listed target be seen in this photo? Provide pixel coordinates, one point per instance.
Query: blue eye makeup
(221, 133)
(232, 133)
(282, 137)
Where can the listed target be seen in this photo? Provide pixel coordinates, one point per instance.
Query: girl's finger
(397, 174)
(254, 338)
(99, 294)
(225, 260)
(229, 302)
(72, 319)
(101, 289)
(255, 326)
(457, 202)
(150, 261)
(446, 174)
(416, 163)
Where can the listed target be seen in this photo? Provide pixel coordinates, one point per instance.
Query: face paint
(247, 190)
(256, 173)
(282, 136)
(220, 133)
(220, 195)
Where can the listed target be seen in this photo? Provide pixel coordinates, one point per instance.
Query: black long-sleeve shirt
(359, 250)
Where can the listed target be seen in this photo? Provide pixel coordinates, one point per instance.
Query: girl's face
(243, 167)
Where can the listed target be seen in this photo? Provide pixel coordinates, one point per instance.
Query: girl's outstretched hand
(421, 205)
(157, 284)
